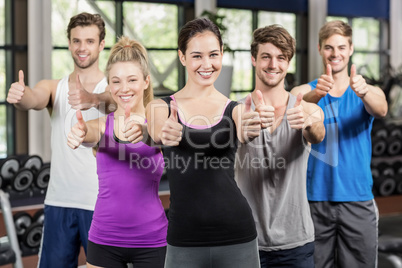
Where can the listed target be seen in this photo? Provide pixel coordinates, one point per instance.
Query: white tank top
(73, 178)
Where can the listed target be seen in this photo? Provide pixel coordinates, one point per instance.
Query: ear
(319, 48)
(69, 44)
(351, 50)
(182, 58)
(147, 81)
(101, 45)
(253, 61)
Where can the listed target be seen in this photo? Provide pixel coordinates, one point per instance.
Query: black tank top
(206, 206)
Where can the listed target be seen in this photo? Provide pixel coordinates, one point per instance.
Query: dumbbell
(398, 176)
(379, 134)
(385, 182)
(19, 178)
(39, 216)
(33, 162)
(43, 176)
(22, 220)
(33, 235)
(394, 142)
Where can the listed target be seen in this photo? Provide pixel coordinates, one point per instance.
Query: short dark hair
(276, 35)
(87, 19)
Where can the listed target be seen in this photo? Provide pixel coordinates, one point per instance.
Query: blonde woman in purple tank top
(129, 223)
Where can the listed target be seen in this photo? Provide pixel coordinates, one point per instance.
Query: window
(154, 25)
(368, 53)
(6, 110)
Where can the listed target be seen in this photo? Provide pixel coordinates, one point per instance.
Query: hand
(78, 132)
(79, 98)
(172, 130)
(266, 112)
(358, 83)
(295, 115)
(250, 122)
(17, 89)
(325, 83)
(132, 130)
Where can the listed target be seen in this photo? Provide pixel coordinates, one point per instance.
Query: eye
(132, 80)
(115, 82)
(196, 56)
(213, 55)
(91, 42)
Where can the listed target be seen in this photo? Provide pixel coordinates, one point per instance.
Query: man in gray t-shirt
(271, 168)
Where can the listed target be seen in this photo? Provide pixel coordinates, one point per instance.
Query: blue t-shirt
(339, 167)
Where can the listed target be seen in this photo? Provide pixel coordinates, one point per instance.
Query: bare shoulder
(158, 107)
(305, 88)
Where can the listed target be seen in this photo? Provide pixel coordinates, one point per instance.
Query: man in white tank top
(271, 168)
(73, 185)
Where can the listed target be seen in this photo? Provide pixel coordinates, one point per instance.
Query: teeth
(205, 73)
(335, 61)
(125, 97)
(82, 56)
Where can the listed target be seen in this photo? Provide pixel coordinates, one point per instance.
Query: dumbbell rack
(10, 229)
(386, 159)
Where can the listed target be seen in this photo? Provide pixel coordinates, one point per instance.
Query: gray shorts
(243, 255)
(346, 234)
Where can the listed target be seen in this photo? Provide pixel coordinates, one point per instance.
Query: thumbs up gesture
(133, 130)
(357, 83)
(17, 89)
(295, 115)
(79, 98)
(250, 121)
(78, 132)
(266, 112)
(325, 83)
(172, 130)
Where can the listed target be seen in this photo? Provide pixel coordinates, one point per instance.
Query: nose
(206, 63)
(335, 52)
(273, 63)
(124, 87)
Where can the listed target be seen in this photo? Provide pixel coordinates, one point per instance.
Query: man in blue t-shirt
(339, 180)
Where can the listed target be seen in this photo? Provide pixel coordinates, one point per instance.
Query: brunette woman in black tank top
(210, 222)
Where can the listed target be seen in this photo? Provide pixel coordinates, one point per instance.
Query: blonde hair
(335, 27)
(128, 50)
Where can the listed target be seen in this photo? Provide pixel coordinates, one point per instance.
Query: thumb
(78, 82)
(248, 103)
(21, 78)
(173, 110)
(260, 97)
(329, 70)
(352, 71)
(80, 119)
(298, 99)
(127, 111)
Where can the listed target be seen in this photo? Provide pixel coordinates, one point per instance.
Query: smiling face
(203, 59)
(336, 51)
(127, 84)
(271, 65)
(84, 45)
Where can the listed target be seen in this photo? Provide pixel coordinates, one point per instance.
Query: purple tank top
(128, 211)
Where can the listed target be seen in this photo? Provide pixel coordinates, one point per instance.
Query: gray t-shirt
(271, 173)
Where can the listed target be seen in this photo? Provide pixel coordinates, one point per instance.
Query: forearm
(104, 102)
(375, 102)
(314, 133)
(32, 100)
(312, 96)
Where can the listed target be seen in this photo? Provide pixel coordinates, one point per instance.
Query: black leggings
(110, 256)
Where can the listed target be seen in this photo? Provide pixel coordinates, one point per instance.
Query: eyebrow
(198, 52)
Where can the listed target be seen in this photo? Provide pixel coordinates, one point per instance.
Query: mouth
(335, 60)
(271, 73)
(126, 98)
(205, 74)
(82, 56)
